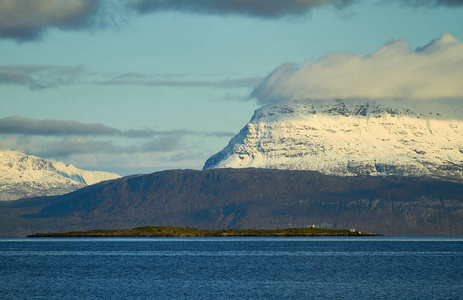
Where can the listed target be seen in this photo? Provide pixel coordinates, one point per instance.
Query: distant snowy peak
(69, 171)
(83, 176)
(24, 175)
(352, 137)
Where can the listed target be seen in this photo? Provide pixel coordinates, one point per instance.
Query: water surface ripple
(232, 268)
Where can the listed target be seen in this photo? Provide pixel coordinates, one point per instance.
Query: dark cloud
(49, 127)
(86, 145)
(53, 147)
(256, 8)
(270, 9)
(27, 20)
(24, 20)
(72, 145)
(75, 145)
(98, 144)
(38, 77)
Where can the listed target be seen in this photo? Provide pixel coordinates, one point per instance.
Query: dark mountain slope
(248, 198)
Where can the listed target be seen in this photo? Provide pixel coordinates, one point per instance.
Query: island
(165, 231)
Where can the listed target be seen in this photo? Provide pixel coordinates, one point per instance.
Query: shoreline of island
(166, 231)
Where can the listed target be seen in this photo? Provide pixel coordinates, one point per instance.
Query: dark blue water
(232, 268)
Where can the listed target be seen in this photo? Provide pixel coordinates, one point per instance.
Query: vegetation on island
(163, 231)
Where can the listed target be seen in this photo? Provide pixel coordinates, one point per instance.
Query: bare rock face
(351, 138)
(24, 176)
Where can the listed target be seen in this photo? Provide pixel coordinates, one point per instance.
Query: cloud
(393, 71)
(268, 9)
(237, 97)
(125, 159)
(147, 133)
(50, 127)
(255, 8)
(432, 3)
(37, 77)
(74, 145)
(28, 20)
(162, 144)
(24, 20)
(97, 146)
(78, 145)
(137, 163)
(145, 81)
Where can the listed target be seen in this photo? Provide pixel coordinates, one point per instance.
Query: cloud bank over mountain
(394, 71)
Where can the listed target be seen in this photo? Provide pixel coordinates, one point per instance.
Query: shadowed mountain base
(247, 198)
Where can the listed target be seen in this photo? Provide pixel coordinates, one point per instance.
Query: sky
(138, 86)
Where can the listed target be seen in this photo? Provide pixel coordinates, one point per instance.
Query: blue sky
(140, 86)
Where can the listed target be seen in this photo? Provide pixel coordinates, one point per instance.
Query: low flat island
(163, 231)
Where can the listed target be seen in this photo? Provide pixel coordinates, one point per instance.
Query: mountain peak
(351, 137)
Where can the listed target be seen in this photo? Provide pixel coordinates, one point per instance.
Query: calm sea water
(232, 268)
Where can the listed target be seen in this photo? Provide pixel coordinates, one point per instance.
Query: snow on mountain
(24, 175)
(351, 137)
(84, 176)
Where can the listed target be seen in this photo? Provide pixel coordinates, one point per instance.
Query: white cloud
(393, 71)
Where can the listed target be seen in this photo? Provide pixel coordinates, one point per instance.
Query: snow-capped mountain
(352, 137)
(24, 175)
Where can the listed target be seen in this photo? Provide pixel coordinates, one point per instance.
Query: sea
(232, 268)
